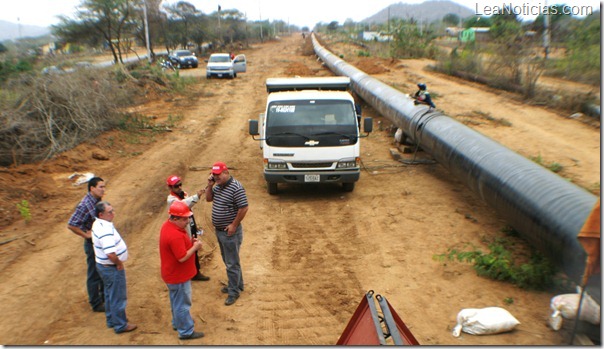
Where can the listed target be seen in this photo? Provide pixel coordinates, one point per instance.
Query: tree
(333, 26)
(451, 19)
(72, 31)
(507, 35)
(409, 41)
(109, 18)
(559, 23)
(477, 22)
(182, 15)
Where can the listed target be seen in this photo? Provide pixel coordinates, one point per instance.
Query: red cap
(219, 167)
(172, 180)
(179, 209)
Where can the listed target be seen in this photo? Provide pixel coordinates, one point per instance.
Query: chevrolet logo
(312, 143)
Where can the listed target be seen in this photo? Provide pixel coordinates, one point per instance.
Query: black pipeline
(545, 208)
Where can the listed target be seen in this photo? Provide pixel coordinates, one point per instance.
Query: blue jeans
(180, 302)
(94, 283)
(115, 296)
(229, 250)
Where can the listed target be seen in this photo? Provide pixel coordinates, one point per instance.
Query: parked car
(183, 58)
(221, 65)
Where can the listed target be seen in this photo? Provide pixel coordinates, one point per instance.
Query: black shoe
(99, 308)
(200, 277)
(230, 300)
(193, 335)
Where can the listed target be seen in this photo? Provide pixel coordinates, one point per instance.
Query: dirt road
(309, 254)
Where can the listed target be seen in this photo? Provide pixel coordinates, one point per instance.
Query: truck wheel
(272, 188)
(348, 186)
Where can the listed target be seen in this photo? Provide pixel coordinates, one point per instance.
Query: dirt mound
(299, 69)
(373, 65)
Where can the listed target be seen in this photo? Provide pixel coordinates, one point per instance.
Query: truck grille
(312, 164)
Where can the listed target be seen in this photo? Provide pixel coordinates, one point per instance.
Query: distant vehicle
(221, 65)
(183, 58)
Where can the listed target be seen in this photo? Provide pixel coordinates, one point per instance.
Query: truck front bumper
(310, 177)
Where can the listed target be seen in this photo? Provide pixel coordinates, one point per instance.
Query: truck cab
(309, 132)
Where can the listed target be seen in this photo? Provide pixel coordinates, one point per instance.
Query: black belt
(109, 265)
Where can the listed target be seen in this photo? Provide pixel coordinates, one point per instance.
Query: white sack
(566, 305)
(398, 135)
(484, 321)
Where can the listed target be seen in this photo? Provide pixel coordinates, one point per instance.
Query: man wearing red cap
(228, 210)
(177, 267)
(177, 194)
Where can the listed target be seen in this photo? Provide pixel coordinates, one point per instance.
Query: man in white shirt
(111, 252)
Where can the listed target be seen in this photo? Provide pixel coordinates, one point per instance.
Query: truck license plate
(220, 75)
(312, 178)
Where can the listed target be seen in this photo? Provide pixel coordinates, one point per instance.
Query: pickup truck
(221, 65)
(310, 132)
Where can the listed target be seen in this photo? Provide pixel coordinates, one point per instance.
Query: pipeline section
(544, 208)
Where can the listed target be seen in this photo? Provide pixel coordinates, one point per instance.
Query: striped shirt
(228, 199)
(106, 240)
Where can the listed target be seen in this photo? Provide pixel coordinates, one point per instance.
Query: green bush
(24, 211)
(501, 264)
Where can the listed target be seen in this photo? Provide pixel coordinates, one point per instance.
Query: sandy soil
(310, 253)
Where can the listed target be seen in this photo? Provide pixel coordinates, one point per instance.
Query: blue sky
(296, 12)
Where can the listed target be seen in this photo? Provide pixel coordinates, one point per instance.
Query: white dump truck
(310, 132)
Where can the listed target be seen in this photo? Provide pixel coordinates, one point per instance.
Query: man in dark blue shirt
(80, 224)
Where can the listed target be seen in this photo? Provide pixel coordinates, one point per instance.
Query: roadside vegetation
(43, 115)
(52, 98)
(509, 259)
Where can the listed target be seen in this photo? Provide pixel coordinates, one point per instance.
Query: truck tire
(272, 188)
(348, 186)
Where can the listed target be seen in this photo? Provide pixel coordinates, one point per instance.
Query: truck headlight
(348, 163)
(275, 165)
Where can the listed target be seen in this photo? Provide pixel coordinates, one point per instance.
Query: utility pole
(219, 29)
(147, 32)
(546, 32)
(389, 20)
(260, 14)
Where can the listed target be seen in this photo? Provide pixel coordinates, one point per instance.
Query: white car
(221, 65)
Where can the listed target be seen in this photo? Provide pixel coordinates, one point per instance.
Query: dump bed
(335, 83)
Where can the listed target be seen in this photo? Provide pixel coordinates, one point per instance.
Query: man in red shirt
(177, 193)
(177, 267)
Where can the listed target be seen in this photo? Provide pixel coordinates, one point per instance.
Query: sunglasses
(177, 185)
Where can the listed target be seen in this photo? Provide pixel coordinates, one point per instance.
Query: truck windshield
(220, 59)
(329, 122)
